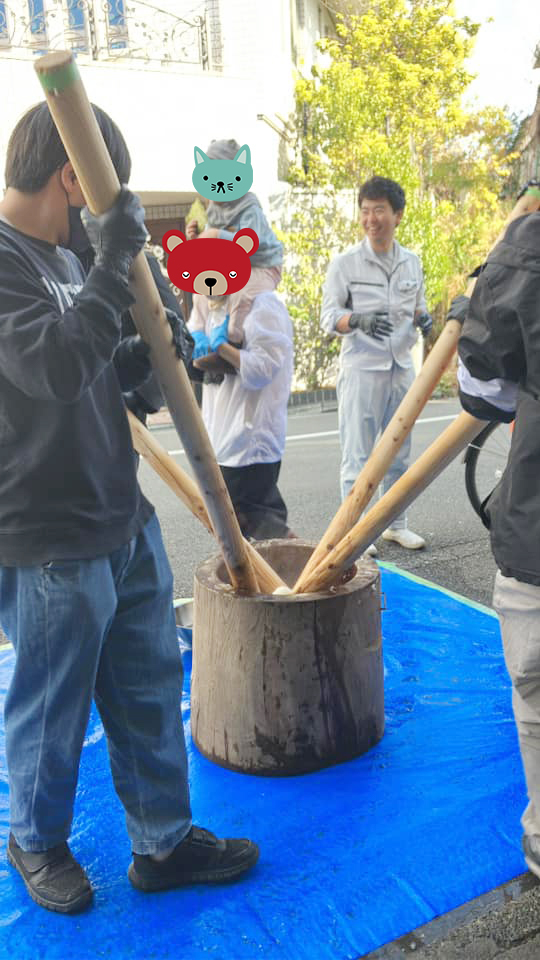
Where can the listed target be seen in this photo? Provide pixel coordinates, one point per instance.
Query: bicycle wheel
(485, 460)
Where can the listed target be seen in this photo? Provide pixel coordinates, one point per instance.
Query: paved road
(505, 924)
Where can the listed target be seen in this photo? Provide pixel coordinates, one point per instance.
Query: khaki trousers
(518, 606)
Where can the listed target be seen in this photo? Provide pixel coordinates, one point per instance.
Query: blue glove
(424, 322)
(219, 334)
(202, 344)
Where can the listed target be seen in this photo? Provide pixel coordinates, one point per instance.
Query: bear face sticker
(223, 180)
(208, 265)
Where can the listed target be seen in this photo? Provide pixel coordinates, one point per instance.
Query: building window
(4, 35)
(76, 33)
(38, 26)
(117, 32)
(300, 13)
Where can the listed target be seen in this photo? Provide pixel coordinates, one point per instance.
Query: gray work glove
(118, 235)
(182, 339)
(377, 324)
(459, 309)
(424, 323)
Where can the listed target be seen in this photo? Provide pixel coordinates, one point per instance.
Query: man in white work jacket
(374, 299)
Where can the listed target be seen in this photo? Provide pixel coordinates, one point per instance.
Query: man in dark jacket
(499, 379)
(85, 585)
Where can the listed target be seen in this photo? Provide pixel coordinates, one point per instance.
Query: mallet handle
(167, 468)
(78, 128)
(183, 486)
(432, 462)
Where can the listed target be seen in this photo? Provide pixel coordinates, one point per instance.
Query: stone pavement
(503, 924)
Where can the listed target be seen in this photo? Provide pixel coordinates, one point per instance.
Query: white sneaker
(371, 550)
(405, 538)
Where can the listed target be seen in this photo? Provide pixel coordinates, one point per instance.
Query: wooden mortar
(286, 684)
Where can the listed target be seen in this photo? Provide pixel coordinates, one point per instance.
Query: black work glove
(377, 325)
(138, 405)
(132, 362)
(214, 379)
(182, 339)
(476, 272)
(132, 356)
(424, 323)
(118, 235)
(459, 309)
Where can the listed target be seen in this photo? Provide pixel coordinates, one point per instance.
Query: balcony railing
(108, 29)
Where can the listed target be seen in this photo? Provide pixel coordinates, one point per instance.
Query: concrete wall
(164, 108)
(162, 114)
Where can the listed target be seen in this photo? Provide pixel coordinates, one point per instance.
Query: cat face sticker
(223, 180)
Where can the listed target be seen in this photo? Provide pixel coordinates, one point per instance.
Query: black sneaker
(200, 857)
(53, 877)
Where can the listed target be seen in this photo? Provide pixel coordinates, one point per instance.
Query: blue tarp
(352, 856)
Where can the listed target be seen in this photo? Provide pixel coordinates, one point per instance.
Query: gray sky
(504, 52)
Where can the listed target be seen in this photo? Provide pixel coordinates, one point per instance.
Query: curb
(326, 397)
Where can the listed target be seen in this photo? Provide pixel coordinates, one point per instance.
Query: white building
(173, 74)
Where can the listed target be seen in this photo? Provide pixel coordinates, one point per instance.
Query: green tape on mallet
(56, 79)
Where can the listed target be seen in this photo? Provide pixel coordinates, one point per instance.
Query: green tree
(389, 101)
(198, 213)
(315, 229)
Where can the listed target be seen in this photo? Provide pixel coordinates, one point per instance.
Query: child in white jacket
(223, 221)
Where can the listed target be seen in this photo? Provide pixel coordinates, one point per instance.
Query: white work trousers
(367, 401)
(518, 607)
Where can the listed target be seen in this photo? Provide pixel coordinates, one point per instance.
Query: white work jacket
(246, 415)
(357, 282)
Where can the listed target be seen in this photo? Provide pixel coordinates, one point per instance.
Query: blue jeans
(101, 628)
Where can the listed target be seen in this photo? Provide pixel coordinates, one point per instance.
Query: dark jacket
(68, 485)
(148, 398)
(501, 339)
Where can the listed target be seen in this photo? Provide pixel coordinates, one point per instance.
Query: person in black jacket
(499, 379)
(85, 584)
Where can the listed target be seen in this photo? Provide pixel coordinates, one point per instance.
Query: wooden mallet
(86, 149)
(186, 489)
(402, 493)
(400, 425)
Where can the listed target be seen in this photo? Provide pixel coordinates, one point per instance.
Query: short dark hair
(35, 150)
(381, 188)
